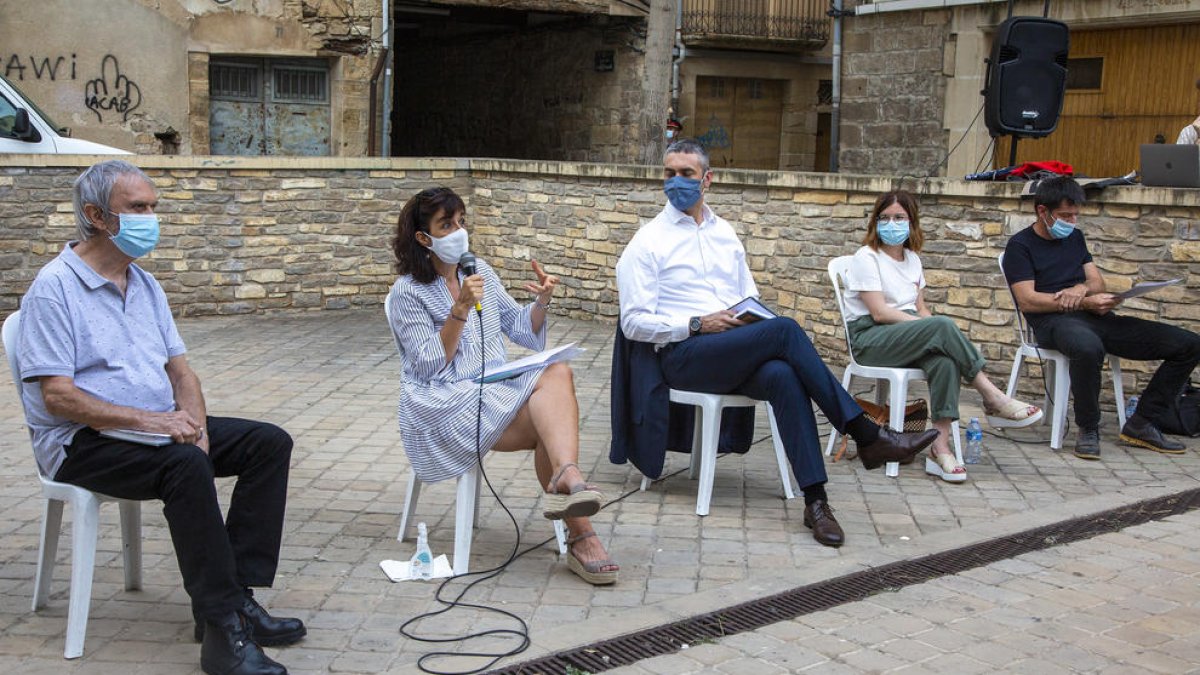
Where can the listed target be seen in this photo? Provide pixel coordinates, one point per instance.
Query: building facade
(913, 71)
(239, 77)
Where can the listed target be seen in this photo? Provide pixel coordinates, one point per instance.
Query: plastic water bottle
(422, 560)
(974, 442)
(1131, 407)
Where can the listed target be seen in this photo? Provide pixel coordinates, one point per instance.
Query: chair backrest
(387, 311)
(838, 269)
(12, 328)
(1024, 334)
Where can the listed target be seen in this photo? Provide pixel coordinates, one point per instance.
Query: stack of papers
(532, 362)
(139, 437)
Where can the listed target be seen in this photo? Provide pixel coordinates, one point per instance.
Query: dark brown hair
(411, 257)
(907, 202)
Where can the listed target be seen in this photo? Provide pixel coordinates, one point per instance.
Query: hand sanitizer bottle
(422, 560)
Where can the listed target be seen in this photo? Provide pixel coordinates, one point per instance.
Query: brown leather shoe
(895, 447)
(819, 517)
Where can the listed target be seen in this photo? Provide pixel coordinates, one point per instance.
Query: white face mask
(450, 247)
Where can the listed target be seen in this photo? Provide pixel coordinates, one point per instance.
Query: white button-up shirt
(674, 269)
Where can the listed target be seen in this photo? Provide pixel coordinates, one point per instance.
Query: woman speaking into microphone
(449, 324)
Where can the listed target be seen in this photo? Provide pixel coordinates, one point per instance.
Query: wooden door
(1128, 85)
(739, 121)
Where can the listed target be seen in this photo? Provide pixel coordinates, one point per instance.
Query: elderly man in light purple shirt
(101, 363)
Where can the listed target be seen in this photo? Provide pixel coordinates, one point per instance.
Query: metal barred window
(233, 81)
(300, 85)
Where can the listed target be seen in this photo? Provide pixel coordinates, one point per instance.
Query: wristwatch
(694, 325)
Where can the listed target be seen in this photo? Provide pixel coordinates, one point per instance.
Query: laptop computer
(1170, 165)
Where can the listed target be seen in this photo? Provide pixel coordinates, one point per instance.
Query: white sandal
(944, 467)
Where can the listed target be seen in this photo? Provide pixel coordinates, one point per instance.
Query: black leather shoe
(267, 630)
(1087, 444)
(819, 517)
(895, 447)
(229, 650)
(1141, 432)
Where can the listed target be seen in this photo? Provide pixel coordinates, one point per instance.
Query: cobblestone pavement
(331, 379)
(1126, 602)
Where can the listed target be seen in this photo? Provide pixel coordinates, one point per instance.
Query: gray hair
(94, 186)
(689, 146)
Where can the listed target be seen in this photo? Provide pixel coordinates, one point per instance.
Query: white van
(25, 128)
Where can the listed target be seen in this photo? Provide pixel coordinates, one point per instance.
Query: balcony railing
(773, 25)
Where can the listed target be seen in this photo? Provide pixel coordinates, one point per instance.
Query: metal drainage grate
(670, 638)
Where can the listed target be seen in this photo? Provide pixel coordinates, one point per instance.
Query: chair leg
(697, 443)
(780, 456)
(410, 505)
(954, 431)
(560, 535)
(464, 519)
(478, 491)
(833, 434)
(897, 393)
(1062, 393)
(1018, 360)
(84, 531)
(131, 543)
(48, 552)
(711, 422)
(1114, 364)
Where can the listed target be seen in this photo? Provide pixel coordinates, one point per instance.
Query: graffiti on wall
(40, 67)
(112, 91)
(716, 136)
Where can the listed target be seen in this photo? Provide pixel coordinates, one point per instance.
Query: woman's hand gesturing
(544, 286)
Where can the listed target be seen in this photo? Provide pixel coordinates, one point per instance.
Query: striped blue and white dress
(438, 401)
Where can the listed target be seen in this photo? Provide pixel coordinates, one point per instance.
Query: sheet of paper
(1146, 287)
(514, 368)
(401, 570)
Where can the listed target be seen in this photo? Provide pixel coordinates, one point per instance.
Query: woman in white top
(890, 325)
(448, 327)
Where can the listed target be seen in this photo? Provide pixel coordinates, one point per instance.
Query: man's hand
(1101, 303)
(719, 322)
(178, 424)
(1071, 299)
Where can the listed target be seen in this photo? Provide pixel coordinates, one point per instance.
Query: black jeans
(1085, 338)
(217, 557)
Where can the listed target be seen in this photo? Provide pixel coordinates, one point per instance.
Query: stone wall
(532, 93)
(893, 92)
(251, 235)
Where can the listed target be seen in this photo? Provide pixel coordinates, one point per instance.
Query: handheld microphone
(467, 263)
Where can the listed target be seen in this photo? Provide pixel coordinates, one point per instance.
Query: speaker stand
(1012, 151)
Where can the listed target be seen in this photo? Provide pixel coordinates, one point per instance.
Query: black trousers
(1085, 338)
(218, 557)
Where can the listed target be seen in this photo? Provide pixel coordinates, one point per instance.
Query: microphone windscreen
(467, 263)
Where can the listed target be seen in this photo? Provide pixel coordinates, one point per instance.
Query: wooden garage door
(1127, 85)
(738, 120)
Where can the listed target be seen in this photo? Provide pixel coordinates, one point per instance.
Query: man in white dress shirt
(677, 278)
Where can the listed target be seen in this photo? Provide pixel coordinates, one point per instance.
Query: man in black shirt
(1063, 297)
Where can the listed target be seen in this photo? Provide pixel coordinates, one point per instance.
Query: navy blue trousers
(770, 360)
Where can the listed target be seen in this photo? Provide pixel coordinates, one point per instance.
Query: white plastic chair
(1059, 374)
(706, 436)
(84, 531)
(466, 501)
(898, 379)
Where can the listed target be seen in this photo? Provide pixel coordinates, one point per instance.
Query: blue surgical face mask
(683, 193)
(892, 232)
(1061, 229)
(138, 234)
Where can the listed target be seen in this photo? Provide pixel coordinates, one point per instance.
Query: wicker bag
(916, 418)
